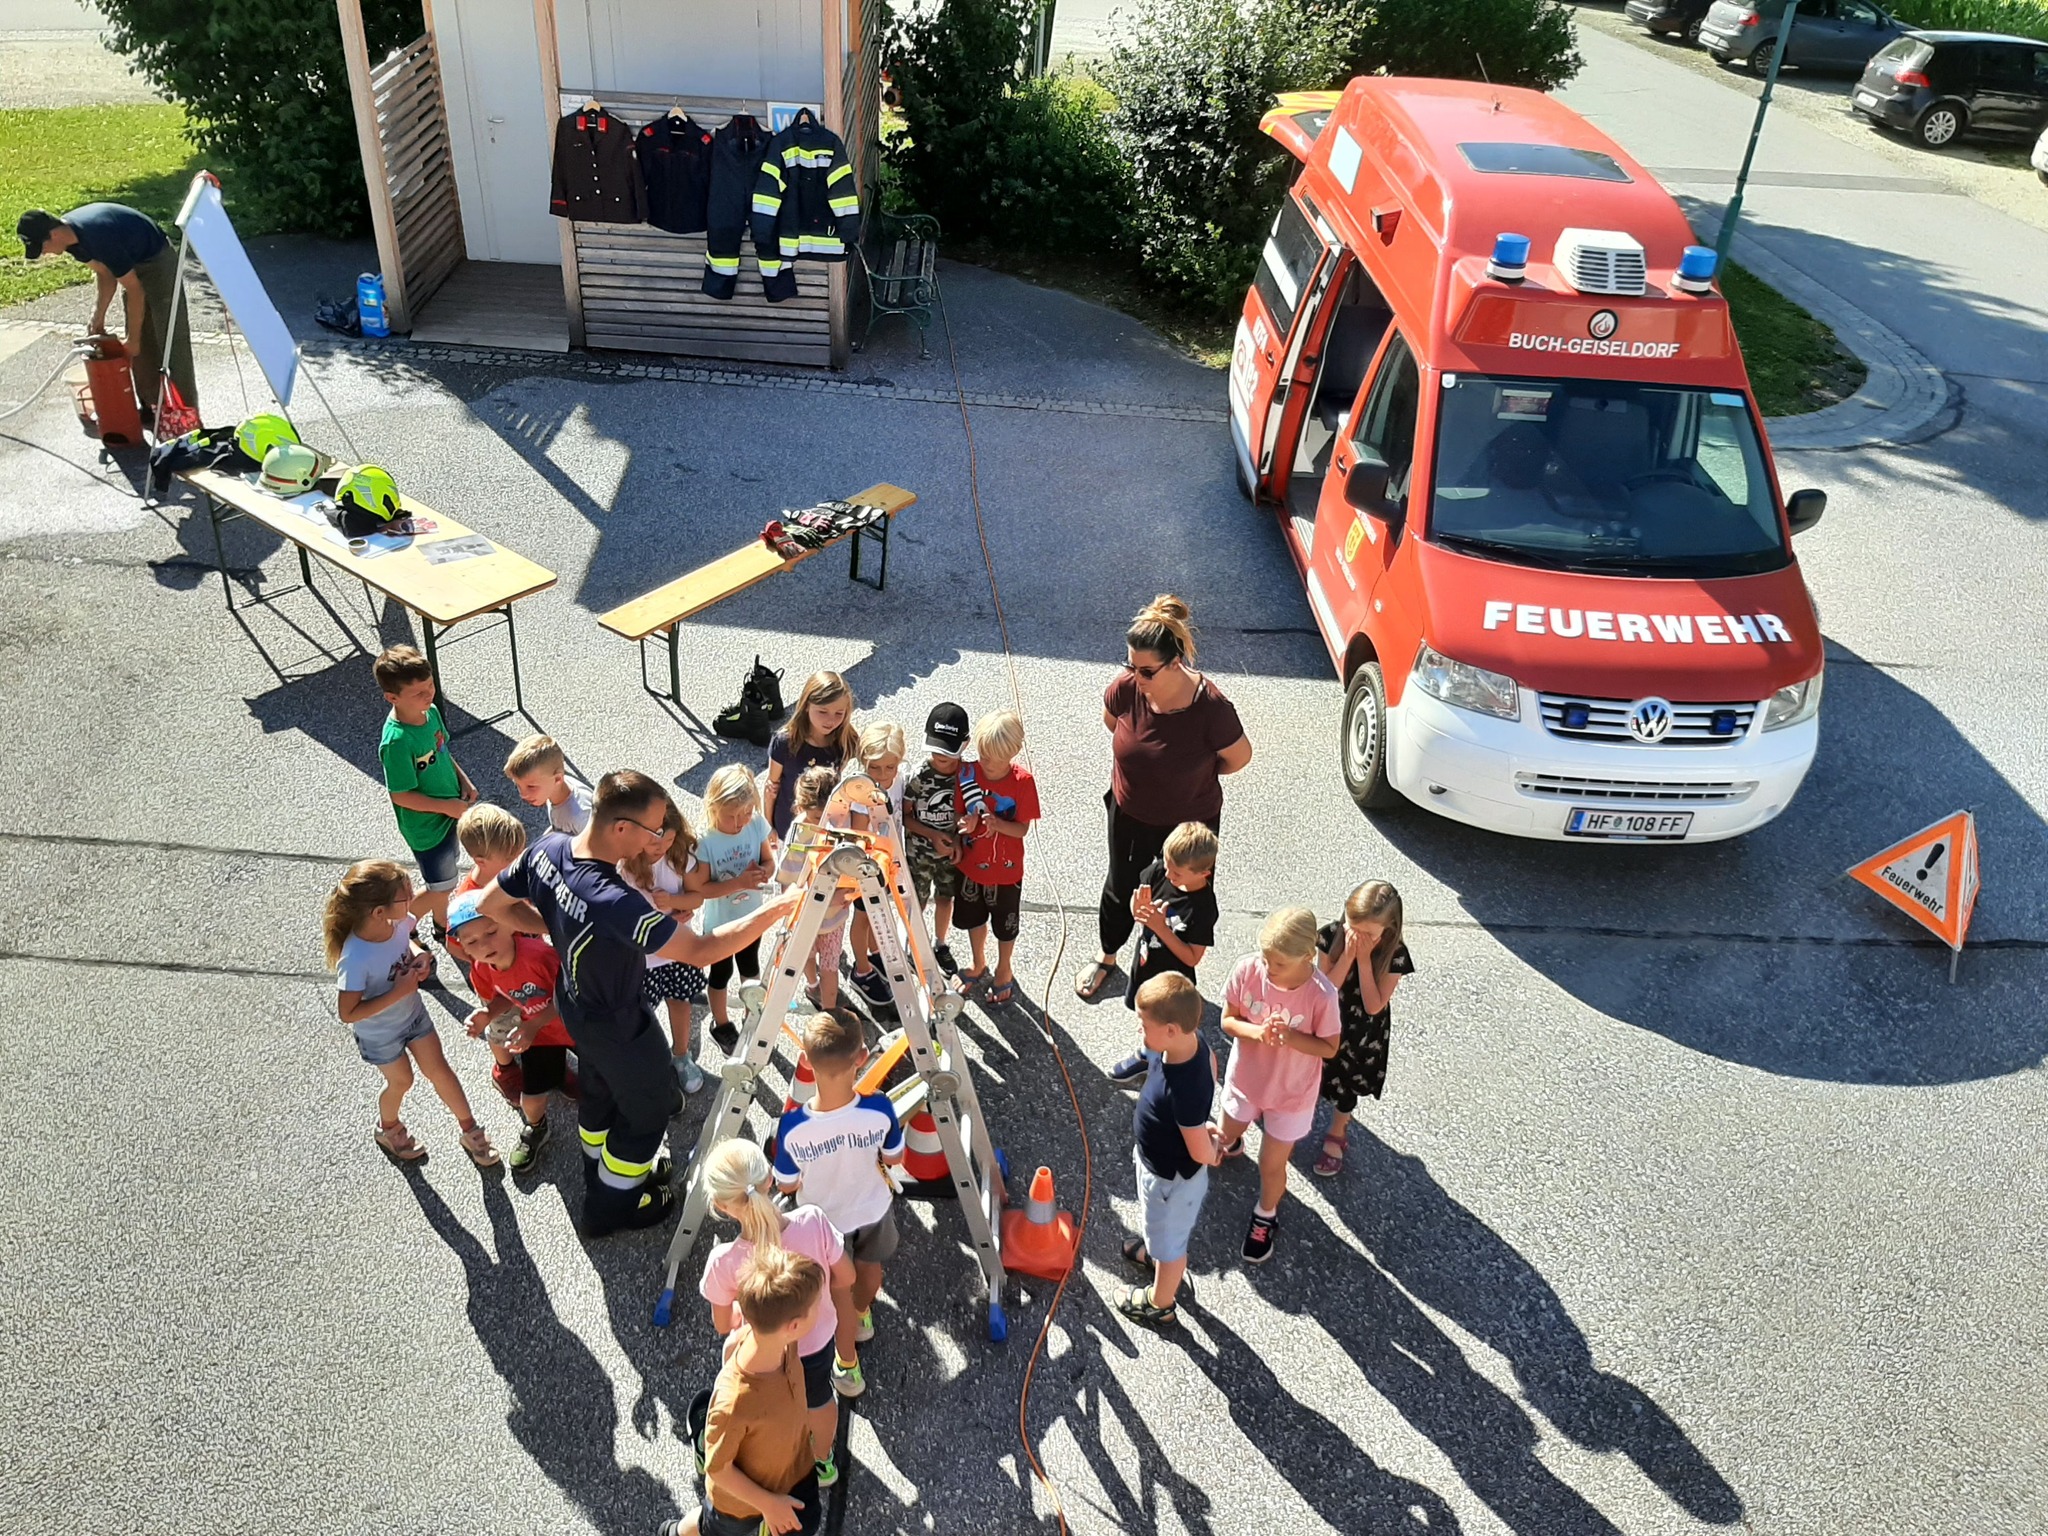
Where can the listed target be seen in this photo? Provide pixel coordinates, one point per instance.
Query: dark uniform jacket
(806, 205)
(737, 150)
(595, 179)
(675, 167)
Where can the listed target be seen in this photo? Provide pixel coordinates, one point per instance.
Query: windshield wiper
(1665, 565)
(1548, 559)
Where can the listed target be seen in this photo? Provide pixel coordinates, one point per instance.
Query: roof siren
(1510, 260)
(1696, 270)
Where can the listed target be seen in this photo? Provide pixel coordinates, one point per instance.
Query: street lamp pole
(1734, 211)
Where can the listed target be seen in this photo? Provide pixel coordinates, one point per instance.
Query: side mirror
(1365, 484)
(1803, 509)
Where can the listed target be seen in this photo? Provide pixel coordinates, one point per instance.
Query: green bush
(2021, 18)
(266, 88)
(993, 156)
(1192, 78)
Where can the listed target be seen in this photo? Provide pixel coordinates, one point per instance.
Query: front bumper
(1514, 776)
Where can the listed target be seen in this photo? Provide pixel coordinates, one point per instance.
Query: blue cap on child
(464, 908)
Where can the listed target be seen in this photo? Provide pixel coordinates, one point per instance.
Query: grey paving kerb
(1698, 1201)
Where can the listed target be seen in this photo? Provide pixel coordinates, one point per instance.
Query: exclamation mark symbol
(1933, 858)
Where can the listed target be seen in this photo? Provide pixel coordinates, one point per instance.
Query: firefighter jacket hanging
(737, 151)
(806, 204)
(675, 167)
(595, 178)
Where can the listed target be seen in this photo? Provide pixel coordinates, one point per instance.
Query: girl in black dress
(1365, 960)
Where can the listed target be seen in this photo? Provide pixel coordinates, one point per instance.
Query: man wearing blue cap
(126, 250)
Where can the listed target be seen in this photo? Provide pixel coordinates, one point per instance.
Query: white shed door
(490, 68)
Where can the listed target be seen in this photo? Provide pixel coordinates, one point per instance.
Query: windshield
(1582, 474)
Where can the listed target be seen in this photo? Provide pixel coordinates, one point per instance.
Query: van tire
(1362, 740)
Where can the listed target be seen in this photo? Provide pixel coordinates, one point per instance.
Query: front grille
(1692, 725)
(1565, 786)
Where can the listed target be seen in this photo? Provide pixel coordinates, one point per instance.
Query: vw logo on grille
(1649, 720)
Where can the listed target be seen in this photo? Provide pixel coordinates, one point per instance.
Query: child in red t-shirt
(514, 975)
(997, 801)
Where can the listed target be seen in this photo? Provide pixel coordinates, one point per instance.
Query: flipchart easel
(925, 1008)
(1932, 877)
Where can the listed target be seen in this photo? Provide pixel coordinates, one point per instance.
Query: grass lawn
(59, 157)
(1795, 363)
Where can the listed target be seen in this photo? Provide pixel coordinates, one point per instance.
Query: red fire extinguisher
(106, 398)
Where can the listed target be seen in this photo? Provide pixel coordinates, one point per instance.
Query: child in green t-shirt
(428, 789)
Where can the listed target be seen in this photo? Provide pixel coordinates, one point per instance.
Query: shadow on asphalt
(1866, 1009)
(563, 1410)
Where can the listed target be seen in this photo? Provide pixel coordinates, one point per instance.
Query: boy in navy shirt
(1176, 1145)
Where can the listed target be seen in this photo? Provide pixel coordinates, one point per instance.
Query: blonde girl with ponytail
(740, 1183)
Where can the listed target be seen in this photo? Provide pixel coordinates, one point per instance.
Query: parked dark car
(1938, 86)
(1674, 18)
(1826, 34)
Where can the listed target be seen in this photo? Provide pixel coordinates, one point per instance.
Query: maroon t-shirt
(1165, 770)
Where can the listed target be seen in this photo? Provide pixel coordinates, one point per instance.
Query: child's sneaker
(509, 1078)
(874, 987)
(847, 1380)
(1130, 1070)
(689, 1076)
(865, 1328)
(828, 1470)
(476, 1141)
(944, 955)
(1258, 1238)
(531, 1139)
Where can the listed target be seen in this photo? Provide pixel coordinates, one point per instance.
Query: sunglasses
(1147, 673)
(650, 831)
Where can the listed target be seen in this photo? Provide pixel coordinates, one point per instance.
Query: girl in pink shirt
(1282, 1018)
(738, 1179)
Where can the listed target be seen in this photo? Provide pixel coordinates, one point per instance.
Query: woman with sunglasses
(1173, 737)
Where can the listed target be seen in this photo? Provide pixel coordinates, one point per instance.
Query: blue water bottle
(370, 304)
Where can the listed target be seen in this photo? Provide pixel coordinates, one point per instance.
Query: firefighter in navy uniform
(604, 930)
(806, 202)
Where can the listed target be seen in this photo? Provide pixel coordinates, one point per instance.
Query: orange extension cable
(1053, 971)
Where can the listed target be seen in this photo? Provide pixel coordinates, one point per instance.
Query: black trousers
(629, 1092)
(1132, 845)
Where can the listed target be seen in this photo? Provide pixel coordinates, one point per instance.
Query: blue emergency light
(1696, 270)
(1577, 716)
(1724, 722)
(1510, 261)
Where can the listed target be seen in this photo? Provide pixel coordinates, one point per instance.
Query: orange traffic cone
(1039, 1240)
(803, 1087)
(924, 1159)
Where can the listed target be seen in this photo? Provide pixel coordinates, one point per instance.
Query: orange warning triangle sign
(1931, 876)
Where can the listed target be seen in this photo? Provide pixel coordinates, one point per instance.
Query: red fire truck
(1485, 379)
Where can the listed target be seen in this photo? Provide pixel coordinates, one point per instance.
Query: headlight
(1793, 705)
(1473, 688)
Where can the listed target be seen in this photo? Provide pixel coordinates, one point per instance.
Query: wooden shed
(457, 129)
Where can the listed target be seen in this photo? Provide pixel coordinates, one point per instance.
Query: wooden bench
(665, 608)
(903, 274)
(442, 592)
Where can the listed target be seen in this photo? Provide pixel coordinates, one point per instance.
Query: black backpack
(759, 708)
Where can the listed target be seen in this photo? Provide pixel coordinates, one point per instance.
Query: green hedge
(265, 86)
(2022, 18)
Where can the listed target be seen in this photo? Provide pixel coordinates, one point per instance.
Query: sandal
(971, 979)
(397, 1143)
(1134, 1253)
(1001, 993)
(1093, 980)
(1137, 1306)
(1331, 1163)
(476, 1141)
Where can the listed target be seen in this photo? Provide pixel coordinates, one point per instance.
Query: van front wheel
(1363, 748)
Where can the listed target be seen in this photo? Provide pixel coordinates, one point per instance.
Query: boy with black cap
(930, 815)
(126, 250)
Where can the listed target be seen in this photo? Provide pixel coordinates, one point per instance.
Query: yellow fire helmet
(370, 491)
(259, 434)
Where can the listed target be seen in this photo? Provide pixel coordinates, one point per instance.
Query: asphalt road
(1699, 1199)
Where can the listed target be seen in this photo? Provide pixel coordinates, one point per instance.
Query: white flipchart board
(211, 234)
